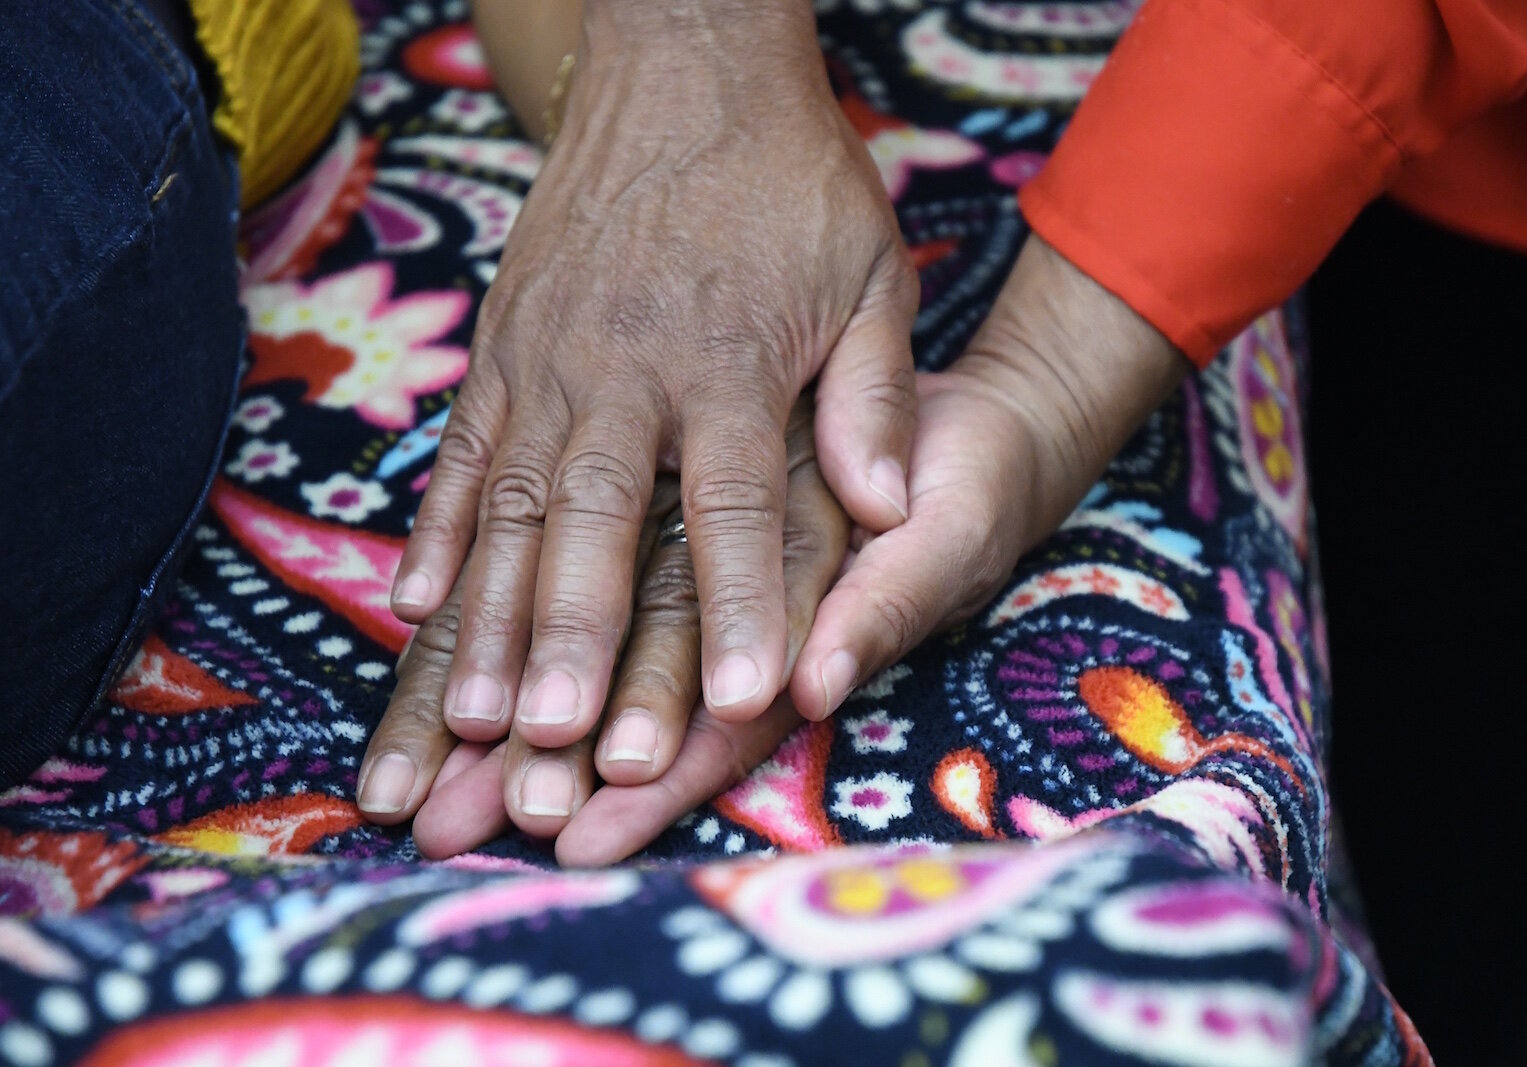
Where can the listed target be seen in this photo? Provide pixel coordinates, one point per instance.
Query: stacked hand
(1008, 441)
(659, 751)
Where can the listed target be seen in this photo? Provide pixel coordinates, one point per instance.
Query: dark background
(1418, 339)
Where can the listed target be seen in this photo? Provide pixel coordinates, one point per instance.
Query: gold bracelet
(556, 100)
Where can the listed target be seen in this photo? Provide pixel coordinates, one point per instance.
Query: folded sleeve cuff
(1211, 167)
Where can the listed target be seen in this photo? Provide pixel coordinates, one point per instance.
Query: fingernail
(839, 672)
(387, 787)
(633, 737)
(413, 590)
(479, 697)
(553, 700)
(889, 481)
(735, 679)
(547, 789)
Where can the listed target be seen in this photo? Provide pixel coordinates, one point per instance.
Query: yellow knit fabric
(287, 68)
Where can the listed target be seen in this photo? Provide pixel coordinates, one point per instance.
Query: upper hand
(1009, 440)
(707, 235)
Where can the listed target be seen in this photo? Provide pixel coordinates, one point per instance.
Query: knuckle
(743, 601)
(411, 714)
(569, 619)
(598, 483)
(753, 384)
(738, 502)
(492, 621)
(737, 343)
(901, 617)
(895, 393)
(436, 639)
(435, 526)
(464, 448)
(497, 304)
(722, 742)
(652, 681)
(669, 587)
(515, 496)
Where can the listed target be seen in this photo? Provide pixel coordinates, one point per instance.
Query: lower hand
(1009, 440)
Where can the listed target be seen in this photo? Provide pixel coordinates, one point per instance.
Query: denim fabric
(120, 335)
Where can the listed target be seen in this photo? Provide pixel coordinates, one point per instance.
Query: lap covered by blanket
(1088, 827)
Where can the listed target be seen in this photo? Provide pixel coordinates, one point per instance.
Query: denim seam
(152, 38)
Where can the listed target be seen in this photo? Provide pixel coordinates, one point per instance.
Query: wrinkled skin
(678, 274)
(672, 757)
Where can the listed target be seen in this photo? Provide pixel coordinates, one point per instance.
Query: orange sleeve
(1227, 144)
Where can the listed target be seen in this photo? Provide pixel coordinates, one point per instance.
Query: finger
(465, 756)
(733, 478)
(447, 519)
(901, 587)
(658, 682)
(618, 820)
(499, 584)
(412, 742)
(583, 587)
(816, 535)
(465, 812)
(544, 788)
(866, 400)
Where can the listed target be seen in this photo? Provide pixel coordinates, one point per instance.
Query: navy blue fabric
(120, 334)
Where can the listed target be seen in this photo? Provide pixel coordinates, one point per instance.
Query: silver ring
(672, 533)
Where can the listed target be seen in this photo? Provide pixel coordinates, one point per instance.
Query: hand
(706, 236)
(1009, 440)
(660, 761)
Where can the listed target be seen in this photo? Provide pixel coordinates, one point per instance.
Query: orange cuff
(1209, 170)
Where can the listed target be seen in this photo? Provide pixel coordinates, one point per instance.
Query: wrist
(673, 50)
(639, 21)
(1077, 364)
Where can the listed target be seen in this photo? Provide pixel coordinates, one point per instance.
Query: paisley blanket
(1089, 827)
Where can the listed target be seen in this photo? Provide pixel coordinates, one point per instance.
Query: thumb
(866, 401)
(901, 587)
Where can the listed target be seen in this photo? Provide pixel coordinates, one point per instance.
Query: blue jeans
(120, 337)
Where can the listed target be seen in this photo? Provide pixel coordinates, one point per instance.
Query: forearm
(524, 41)
(666, 55)
(1071, 357)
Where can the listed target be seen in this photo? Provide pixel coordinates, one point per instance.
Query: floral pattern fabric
(1088, 827)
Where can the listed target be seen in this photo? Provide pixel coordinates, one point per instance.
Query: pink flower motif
(468, 111)
(878, 732)
(353, 345)
(379, 91)
(259, 460)
(257, 413)
(873, 802)
(345, 497)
